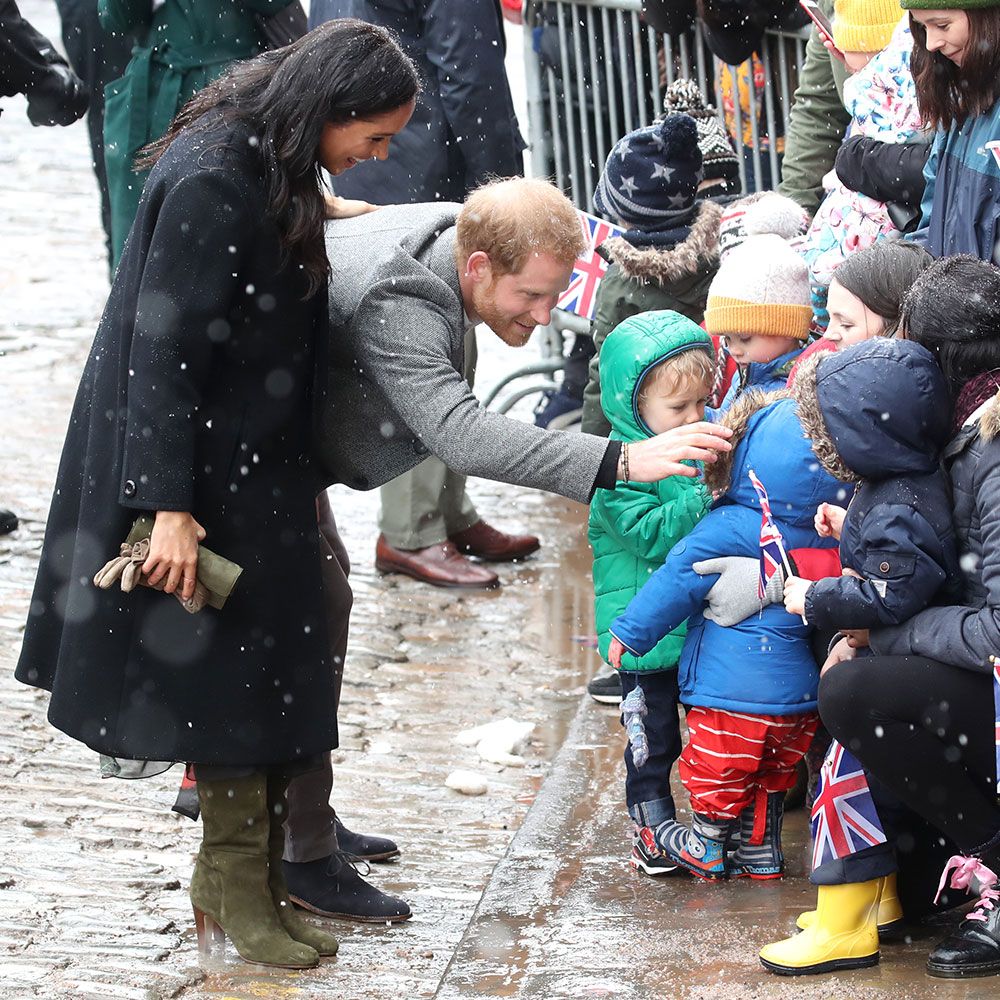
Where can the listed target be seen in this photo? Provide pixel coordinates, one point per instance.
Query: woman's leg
(926, 731)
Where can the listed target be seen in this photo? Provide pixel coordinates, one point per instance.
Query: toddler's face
(747, 348)
(664, 407)
(851, 321)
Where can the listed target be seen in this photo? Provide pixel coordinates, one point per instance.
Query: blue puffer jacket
(764, 664)
(879, 414)
(960, 210)
(769, 376)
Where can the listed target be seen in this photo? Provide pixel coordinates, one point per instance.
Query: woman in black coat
(195, 407)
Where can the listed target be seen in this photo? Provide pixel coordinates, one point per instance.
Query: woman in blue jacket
(956, 68)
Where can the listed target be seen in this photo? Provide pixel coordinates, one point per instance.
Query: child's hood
(661, 266)
(875, 410)
(882, 97)
(634, 347)
(768, 438)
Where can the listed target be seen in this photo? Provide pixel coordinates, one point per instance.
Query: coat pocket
(886, 565)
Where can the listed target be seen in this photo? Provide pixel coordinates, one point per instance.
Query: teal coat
(187, 44)
(634, 527)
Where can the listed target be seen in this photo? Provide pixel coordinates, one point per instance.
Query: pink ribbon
(965, 871)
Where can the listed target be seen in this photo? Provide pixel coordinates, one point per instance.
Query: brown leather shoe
(441, 565)
(484, 542)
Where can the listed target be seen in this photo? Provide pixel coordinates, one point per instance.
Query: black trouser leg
(926, 731)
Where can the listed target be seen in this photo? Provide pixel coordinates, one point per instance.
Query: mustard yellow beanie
(864, 25)
(762, 288)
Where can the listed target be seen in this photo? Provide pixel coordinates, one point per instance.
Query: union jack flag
(590, 267)
(996, 703)
(844, 817)
(772, 552)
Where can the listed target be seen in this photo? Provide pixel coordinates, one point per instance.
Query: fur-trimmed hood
(768, 438)
(989, 422)
(877, 410)
(661, 267)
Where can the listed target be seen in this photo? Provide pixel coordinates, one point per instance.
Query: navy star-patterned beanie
(652, 175)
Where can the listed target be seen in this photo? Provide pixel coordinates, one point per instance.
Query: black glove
(59, 98)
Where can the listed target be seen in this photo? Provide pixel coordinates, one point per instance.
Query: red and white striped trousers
(734, 759)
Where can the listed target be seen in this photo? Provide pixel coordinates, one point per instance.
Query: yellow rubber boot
(844, 934)
(890, 910)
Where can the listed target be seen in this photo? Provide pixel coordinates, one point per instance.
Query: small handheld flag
(772, 550)
(844, 818)
(580, 296)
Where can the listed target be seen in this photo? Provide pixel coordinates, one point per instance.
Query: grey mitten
(733, 596)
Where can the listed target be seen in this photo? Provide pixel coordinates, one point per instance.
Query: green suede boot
(296, 927)
(229, 889)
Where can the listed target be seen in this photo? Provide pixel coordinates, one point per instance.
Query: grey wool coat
(196, 397)
(393, 384)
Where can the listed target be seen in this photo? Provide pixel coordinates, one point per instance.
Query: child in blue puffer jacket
(750, 688)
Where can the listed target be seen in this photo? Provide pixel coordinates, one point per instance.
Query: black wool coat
(195, 397)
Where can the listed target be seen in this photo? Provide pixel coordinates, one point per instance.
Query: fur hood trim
(805, 395)
(989, 422)
(664, 266)
(719, 474)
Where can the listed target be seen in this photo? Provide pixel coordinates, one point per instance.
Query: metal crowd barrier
(595, 71)
(601, 72)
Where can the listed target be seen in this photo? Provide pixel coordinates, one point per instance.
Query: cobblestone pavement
(93, 874)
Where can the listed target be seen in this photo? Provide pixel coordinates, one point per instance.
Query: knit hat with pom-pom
(759, 214)
(651, 176)
(762, 288)
(717, 153)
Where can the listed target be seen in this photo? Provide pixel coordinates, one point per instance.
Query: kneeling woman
(195, 407)
(920, 713)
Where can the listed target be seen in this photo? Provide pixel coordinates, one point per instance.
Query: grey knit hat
(652, 175)
(717, 153)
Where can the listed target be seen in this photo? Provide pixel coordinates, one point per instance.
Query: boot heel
(211, 937)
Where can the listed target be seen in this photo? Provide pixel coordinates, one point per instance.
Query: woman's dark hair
(953, 309)
(882, 275)
(344, 70)
(948, 94)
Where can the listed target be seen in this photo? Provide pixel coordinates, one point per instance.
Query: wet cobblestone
(93, 874)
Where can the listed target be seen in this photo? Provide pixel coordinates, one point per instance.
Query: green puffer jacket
(641, 279)
(634, 527)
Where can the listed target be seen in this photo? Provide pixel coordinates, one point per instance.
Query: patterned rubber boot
(647, 855)
(763, 861)
(704, 849)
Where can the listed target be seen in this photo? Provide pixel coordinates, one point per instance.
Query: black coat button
(419, 447)
(129, 488)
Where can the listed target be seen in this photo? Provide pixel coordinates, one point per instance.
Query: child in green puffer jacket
(657, 370)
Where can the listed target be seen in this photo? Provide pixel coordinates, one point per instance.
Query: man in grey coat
(463, 131)
(406, 284)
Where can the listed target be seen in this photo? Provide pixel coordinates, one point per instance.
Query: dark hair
(953, 309)
(948, 94)
(342, 71)
(881, 275)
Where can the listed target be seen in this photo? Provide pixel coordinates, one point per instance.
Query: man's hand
(347, 208)
(615, 653)
(795, 595)
(661, 456)
(829, 520)
(173, 552)
(839, 654)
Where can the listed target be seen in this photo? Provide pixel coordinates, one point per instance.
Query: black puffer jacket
(964, 636)
(878, 414)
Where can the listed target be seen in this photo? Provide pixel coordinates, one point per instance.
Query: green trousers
(424, 506)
